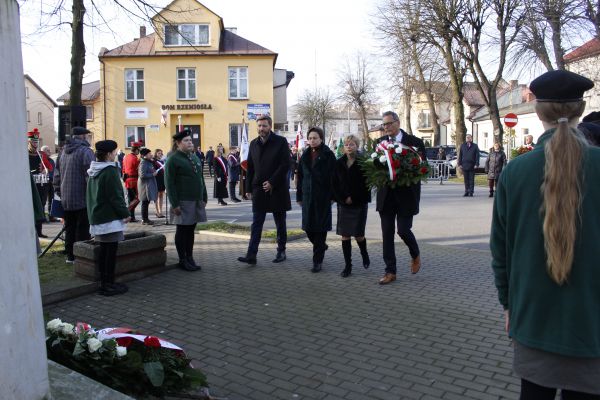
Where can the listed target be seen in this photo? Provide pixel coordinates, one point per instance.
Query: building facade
(40, 113)
(92, 100)
(191, 73)
(584, 61)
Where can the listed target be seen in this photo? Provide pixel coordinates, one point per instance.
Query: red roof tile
(588, 49)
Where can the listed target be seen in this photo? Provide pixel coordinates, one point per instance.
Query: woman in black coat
(220, 170)
(314, 193)
(352, 196)
(494, 165)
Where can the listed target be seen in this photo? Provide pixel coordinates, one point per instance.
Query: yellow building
(191, 72)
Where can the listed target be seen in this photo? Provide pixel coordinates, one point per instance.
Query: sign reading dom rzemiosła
(186, 106)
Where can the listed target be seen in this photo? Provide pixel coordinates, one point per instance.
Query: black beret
(106, 145)
(79, 130)
(560, 86)
(182, 134)
(144, 151)
(592, 117)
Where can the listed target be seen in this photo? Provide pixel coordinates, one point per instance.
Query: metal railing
(440, 171)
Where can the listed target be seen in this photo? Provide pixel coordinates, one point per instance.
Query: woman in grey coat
(147, 187)
(493, 166)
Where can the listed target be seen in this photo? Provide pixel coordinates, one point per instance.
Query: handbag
(56, 208)
(133, 204)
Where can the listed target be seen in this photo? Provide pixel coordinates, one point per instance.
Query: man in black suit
(267, 187)
(468, 160)
(397, 206)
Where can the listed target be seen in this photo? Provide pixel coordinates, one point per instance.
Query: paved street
(280, 332)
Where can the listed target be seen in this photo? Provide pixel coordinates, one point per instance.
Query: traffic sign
(511, 120)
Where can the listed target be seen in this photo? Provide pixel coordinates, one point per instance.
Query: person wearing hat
(131, 164)
(544, 242)
(107, 213)
(147, 186)
(70, 182)
(39, 168)
(590, 126)
(187, 195)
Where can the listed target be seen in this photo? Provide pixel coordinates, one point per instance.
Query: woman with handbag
(107, 213)
(353, 197)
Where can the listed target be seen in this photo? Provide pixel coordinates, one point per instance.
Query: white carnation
(93, 344)
(390, 146)
(398, 150)
(66, 329)
(382, 159)
(121, 351)
(373, 155)
(54, 324)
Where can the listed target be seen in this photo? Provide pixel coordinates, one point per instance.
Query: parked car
(432, 152)
(483, 156)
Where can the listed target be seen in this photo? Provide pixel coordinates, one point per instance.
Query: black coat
(269, 161)
(468, 157)
(314, 189)
(350, 182)
(220, 188)
(403, 200)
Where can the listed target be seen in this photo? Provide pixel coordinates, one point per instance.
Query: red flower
(404, 151)
(415, 161)
(152, 341)
(124, 341)
(423, 170)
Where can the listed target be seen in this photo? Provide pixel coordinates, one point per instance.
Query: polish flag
(244, 147)
(299, 139)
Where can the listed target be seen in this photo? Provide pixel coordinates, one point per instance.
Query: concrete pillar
(23, 365)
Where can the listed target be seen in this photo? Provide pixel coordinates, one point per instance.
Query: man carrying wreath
(397, 206)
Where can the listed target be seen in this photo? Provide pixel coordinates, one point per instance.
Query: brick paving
(276, 331)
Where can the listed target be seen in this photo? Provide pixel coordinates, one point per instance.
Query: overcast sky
(310, 36)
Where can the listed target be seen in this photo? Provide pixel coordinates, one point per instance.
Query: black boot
(491, 193)
(363, 252)
(347, 249)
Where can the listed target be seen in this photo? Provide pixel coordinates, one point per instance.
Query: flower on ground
(66, 328)
(152, 341)
(124, 341)
(121, 351)
(382, 159)
(374, 155)
(93, 344)
(54, 324)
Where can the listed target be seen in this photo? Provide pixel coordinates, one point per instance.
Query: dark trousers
(469, 177)
(258, 220)
(77, 228)
(50, 196)
(184, 240)
(210, 168)
(531, 391)
(107, 260)
(145, 205)
(131, 195)
(318, 240)
(388, 225)
(492, 183)
(232, 185)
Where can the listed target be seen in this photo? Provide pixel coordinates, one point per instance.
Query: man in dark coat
(266, 186)
(468, 160)
(210, 156)
(399, 205)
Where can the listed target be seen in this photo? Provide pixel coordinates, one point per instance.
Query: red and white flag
(244, 147)
(299, 139)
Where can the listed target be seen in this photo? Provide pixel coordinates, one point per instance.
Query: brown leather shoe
(415, 265)
(387, 278)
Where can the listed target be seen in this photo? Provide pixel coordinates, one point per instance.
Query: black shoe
(280, 257)
(491, 194)
(120, 286)
(147, 222)
(470, 194)
(346, 272)
(236, 200)
(133, 220)
(186, 266)
(193, 263)
(222, 203)
(70, 260)
(366, 261)
(316, 267)
(109, 290)
(41, 235)
(247, 260)
(466, 195)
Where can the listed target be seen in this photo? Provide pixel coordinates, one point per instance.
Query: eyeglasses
(385, 124)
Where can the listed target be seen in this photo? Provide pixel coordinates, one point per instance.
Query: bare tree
(592, 14)
(357, 83)
(316, 107)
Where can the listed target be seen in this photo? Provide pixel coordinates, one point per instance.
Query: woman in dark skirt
(352, 196)
(220, 169)
(159, 164)
(314, 193)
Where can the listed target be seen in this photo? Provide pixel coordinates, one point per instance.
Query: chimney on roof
(142, 31)
(232, 29)
(514, 83)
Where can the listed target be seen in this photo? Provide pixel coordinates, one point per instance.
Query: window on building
(134, 134)
(26, 92)
(28, 116)
(424, 119)
(186, 83)
(238, 82)
(235, 134)
(134, 84)
(89, 113)
(524, 132)
(39, 118)
(296, 126)
(187, 35)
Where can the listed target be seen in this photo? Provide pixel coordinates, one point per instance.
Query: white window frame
(135, 81)
(181, 41)
(26, 92)
(187, 81)
(138, 130)
(238, 79)
(39, 118)
(89, 112)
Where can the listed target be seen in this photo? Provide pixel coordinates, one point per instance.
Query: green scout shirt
(104, 197)
(543, 315)
(181, 181)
